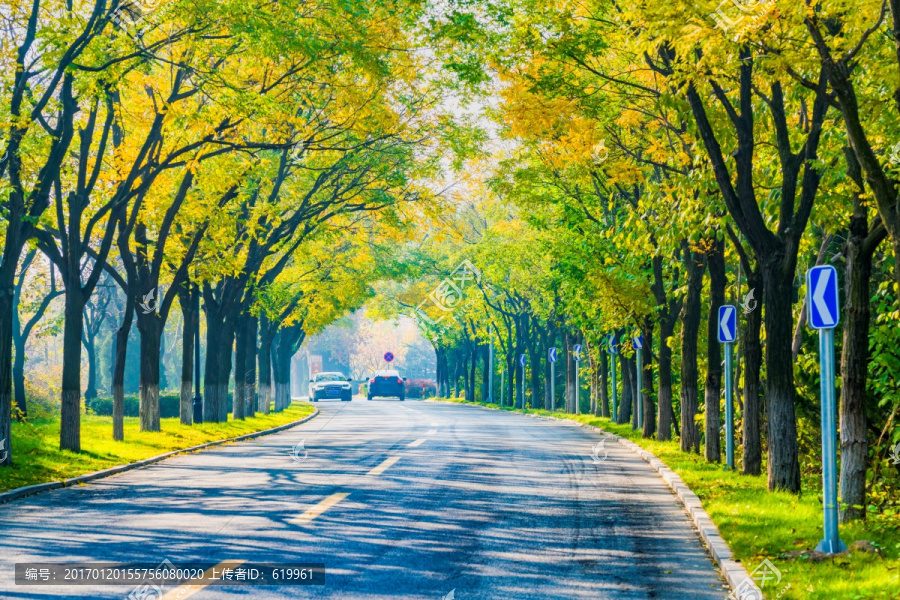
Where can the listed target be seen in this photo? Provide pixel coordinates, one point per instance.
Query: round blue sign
(388, 356)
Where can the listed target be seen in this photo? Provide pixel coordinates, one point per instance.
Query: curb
(743, 586)
(30, 490)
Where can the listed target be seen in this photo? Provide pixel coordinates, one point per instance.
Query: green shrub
(169, 406)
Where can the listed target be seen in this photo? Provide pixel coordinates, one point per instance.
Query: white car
(330, 385)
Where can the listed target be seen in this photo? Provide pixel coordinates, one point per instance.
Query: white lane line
(431, 432)
(416, 443)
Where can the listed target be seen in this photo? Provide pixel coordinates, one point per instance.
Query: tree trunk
(250, 365)
(186, 297)
(752, 442)
(225, 366)
(783, 461)
(604, 381)
(649, 407)
(118, 379)
(715, 260)
(211, 387)
(667, 310)
(239, 403)
(265, 364)
(570, 373)
(627, 393)
(594, 360)
(70, 401)
(858, 250)
(91, 348)
(18, 373)
(150, 327)
(690, 317)
(7, 277)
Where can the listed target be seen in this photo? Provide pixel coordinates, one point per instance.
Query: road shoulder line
(743, 586)
(31, 490)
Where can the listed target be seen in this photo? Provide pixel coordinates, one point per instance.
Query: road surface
(413, 500)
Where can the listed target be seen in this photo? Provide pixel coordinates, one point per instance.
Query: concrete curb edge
(743, 586)
(30, 490)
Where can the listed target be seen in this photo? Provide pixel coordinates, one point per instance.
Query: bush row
(169, 406)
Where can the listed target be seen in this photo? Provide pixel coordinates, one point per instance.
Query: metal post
(729, 405)
(831, 544)
(502, 386)
(491, 372)
(553, 385)
(577, 385)
(639, 408)
(198, 398)
(615, 394)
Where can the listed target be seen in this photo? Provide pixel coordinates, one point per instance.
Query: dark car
(330, 385)
(387, 383)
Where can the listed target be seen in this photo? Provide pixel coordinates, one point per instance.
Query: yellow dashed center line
(189, 589)
(384, 466)
(416, 443)
(319, 508)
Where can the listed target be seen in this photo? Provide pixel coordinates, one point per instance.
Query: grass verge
(778, 526)
(38, 459)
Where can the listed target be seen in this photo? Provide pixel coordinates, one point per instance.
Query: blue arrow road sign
(576, 352)
(727, 323)
(613, 345)
(638, 342)
(822, 297)
(552, 354)
(522, 360)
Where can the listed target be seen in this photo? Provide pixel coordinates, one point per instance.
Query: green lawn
(758, 525)
(38, 459)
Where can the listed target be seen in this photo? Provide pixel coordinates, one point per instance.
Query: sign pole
(551, 355)
(727, 334)
(729, 405)
(502, 386)
(824, 311)
(832, 543)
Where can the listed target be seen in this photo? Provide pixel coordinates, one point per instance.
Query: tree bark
(715, 261)
(186, 297)
(667, 310)
(627, 393)
(604, 381)
(250, 364)
(752, 441)
(570, 373)
(649, 407)
(690, 318)
(90, 347)
(151, 333)
(70, 400)
(862, 241)
(239, 403)
(265, 364)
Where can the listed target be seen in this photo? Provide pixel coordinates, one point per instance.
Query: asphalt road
(414, 500)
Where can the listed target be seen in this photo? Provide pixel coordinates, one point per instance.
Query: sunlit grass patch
(38, 459)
